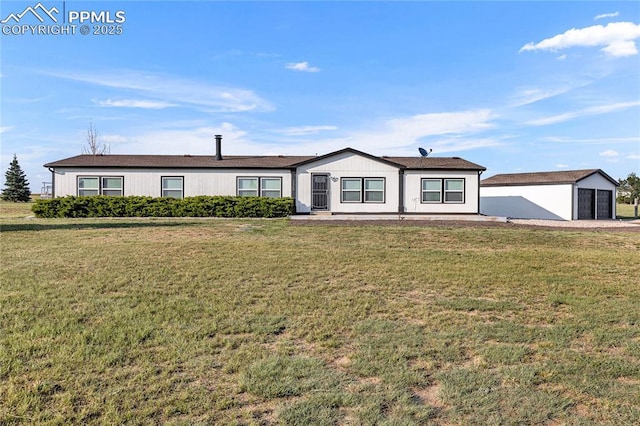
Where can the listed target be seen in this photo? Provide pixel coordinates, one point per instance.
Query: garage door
(604, 204)
(586, 204)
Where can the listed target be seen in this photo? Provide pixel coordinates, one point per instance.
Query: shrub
(136, 206)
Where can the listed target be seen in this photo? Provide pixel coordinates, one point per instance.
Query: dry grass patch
(430, 395)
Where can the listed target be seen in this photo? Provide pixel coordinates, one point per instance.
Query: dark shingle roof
(179, 161)
(454, 163)
(542, 178)
(249, 162)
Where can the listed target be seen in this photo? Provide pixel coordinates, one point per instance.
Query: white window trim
(263, 189)
(447, 191)
(342, 190)
(257, 190)
(163, 189)
(383, 190)
(101, 187)
(431, 191)
(260, 186)
(362, 191)
(97, 188)
(443, 191)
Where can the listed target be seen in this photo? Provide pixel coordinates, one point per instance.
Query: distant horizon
(516, 87)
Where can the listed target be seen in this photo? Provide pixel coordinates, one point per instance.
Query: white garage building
(561, 195)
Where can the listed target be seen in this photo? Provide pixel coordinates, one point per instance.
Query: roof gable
(351, 151)
(543, 178)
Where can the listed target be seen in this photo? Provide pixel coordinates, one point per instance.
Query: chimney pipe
(218, 147)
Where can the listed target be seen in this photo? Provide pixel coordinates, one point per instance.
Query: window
(100, 185)
(260, 186)
(172, 186)
(454, 190)
(373, 190)
(354, 188)
(112, 186)
(432, 190)
(248, 187)
(88, 186)
(271, 187)
(351, 190)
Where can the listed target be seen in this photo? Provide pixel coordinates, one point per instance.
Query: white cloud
(621, 48)
(114, 139)
(597, 141)
(192, 141)
(634, 156)
(562, 166)
(527, 96)
(304, 130)
(4, 129)
(446, 131)
(135, 103)
(530, 94)
(442, 123)
(616, 37)
(173, 90)
(606, 15)
(609, 153)
(561, 57)
(301, 66)
(600, 109)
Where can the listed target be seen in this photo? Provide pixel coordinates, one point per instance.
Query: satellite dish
(424, 152)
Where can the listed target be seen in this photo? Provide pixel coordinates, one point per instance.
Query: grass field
(188, 321)
(15, 210)
(625, 211)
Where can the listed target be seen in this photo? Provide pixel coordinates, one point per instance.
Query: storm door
(319, 192)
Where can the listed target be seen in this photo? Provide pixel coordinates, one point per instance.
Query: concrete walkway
(423, 217)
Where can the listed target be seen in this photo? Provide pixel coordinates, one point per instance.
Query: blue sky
(514, 86)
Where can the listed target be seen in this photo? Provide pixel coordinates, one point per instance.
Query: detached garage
(563, 195)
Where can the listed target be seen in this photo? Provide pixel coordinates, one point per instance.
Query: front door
(319, 192)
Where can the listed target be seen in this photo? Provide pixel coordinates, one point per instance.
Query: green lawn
(188, 321)
(625, 211)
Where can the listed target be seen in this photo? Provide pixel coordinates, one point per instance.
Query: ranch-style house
(344, 181)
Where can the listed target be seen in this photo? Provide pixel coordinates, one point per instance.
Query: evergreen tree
(17, 187)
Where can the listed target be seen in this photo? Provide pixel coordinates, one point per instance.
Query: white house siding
(148, 181)
(347, 165)
(595, 181)
(552, 202)
(413, 191)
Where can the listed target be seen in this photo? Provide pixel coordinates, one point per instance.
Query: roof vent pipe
(218, 147)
